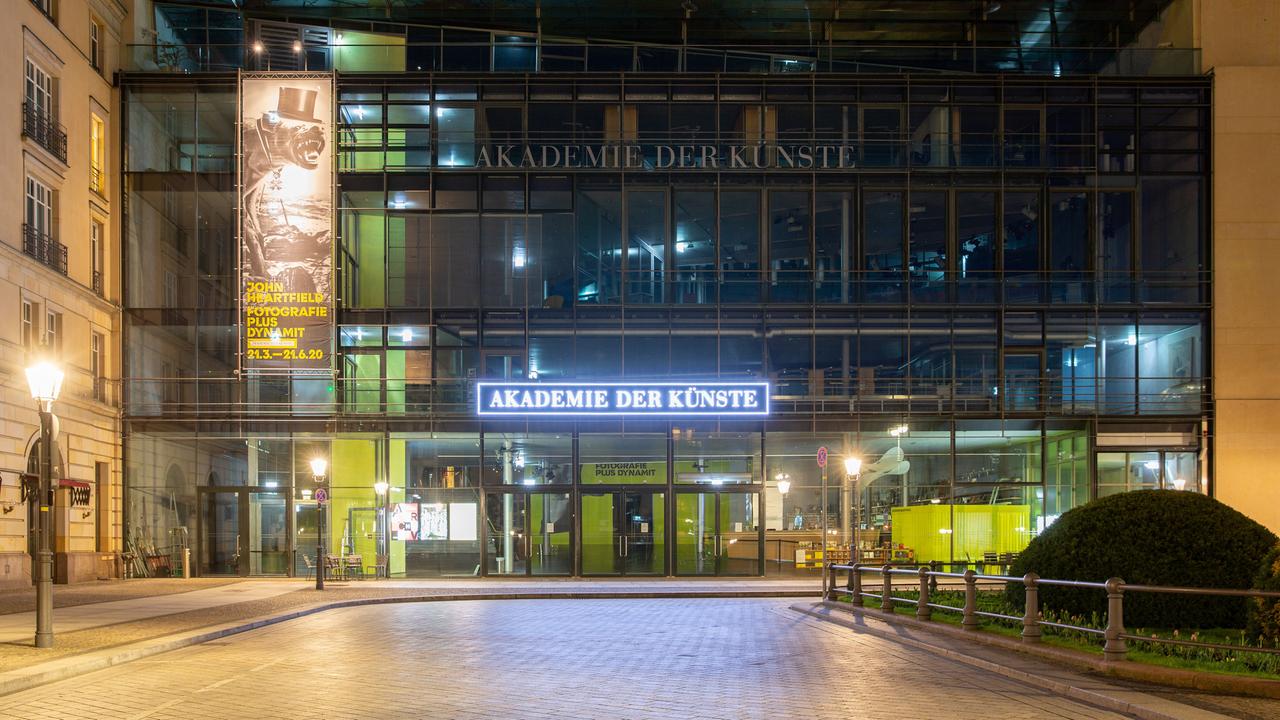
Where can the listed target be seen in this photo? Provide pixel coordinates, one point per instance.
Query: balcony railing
(96, 179)
(99, 287)
(44, 248)
(41, 127)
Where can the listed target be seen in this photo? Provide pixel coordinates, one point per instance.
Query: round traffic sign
(322, 495)
(822, 456)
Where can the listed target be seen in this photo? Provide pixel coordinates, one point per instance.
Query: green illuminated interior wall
(597, 534)
(351, 502)
(365, 372)
(976, 530)
(397, 477)
(395, 391)
(364, 235)
(368, 52)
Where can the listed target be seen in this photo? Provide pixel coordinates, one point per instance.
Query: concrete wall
(1241, 48)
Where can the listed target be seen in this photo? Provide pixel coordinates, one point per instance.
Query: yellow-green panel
(395, 383)
(354, 470)
(396, 475)
(368, 52)
(370, 252)
(597, 534)
(977, 530)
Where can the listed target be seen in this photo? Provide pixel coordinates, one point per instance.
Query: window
(39, 90)
(96, 368)
(45, 6)
(95, 45)
(53, 331)
(28, 324)
(170, 289)
(102, 504)
(39, 207)
(97, 233)
(97, 155)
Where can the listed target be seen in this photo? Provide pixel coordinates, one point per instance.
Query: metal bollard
(1115, 647)
(855, 585)
(923, 611)
(970, 621)
(829, 584)
(933, 580)
(1031, 615)
(886, 596)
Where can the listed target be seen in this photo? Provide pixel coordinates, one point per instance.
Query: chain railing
(1114, 636)
(44, 248)
(40, 126)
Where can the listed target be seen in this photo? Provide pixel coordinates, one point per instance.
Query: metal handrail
(42, 127)
(44, 248)
(1115, 645)
(772, 58)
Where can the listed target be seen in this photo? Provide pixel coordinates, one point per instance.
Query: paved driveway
(741, 658)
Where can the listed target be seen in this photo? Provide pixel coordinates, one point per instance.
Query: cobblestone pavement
(673, 658)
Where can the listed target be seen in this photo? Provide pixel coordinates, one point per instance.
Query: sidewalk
(88, 619)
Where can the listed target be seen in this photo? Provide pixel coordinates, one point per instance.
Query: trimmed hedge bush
(1264, 613)
(1149, 537)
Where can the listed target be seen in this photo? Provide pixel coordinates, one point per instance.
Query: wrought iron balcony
(41, 127)
(44, 248)
(99, 288)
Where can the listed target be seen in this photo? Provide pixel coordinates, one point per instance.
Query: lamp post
(318, 468)
(853, 473)
(45, 380)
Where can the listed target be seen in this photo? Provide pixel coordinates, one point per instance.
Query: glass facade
(993, 290)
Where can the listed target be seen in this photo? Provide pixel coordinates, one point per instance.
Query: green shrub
(1264, 613)
(1149, 537)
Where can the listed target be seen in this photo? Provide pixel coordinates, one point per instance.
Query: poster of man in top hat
(286, 187)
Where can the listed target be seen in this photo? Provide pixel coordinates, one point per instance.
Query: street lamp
(318, 468)
(45, 380)
(853, 473)
(784, 483)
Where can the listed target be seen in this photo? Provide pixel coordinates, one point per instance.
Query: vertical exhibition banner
(286, 221)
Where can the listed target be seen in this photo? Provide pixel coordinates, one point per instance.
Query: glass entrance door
(623, 532)
(529, 533)
(243, 531)
(220, 548)
(717, 533)
(268, 537)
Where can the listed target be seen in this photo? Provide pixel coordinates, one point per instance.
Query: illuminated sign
(759, 156)
(286, 225)
(651, 399)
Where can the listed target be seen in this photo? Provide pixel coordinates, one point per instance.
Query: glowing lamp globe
(45, 381)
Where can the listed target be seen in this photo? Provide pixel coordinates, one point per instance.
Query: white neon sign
(651, 399)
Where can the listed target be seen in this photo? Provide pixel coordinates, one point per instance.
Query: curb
(65, 668)
(1074, 692)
